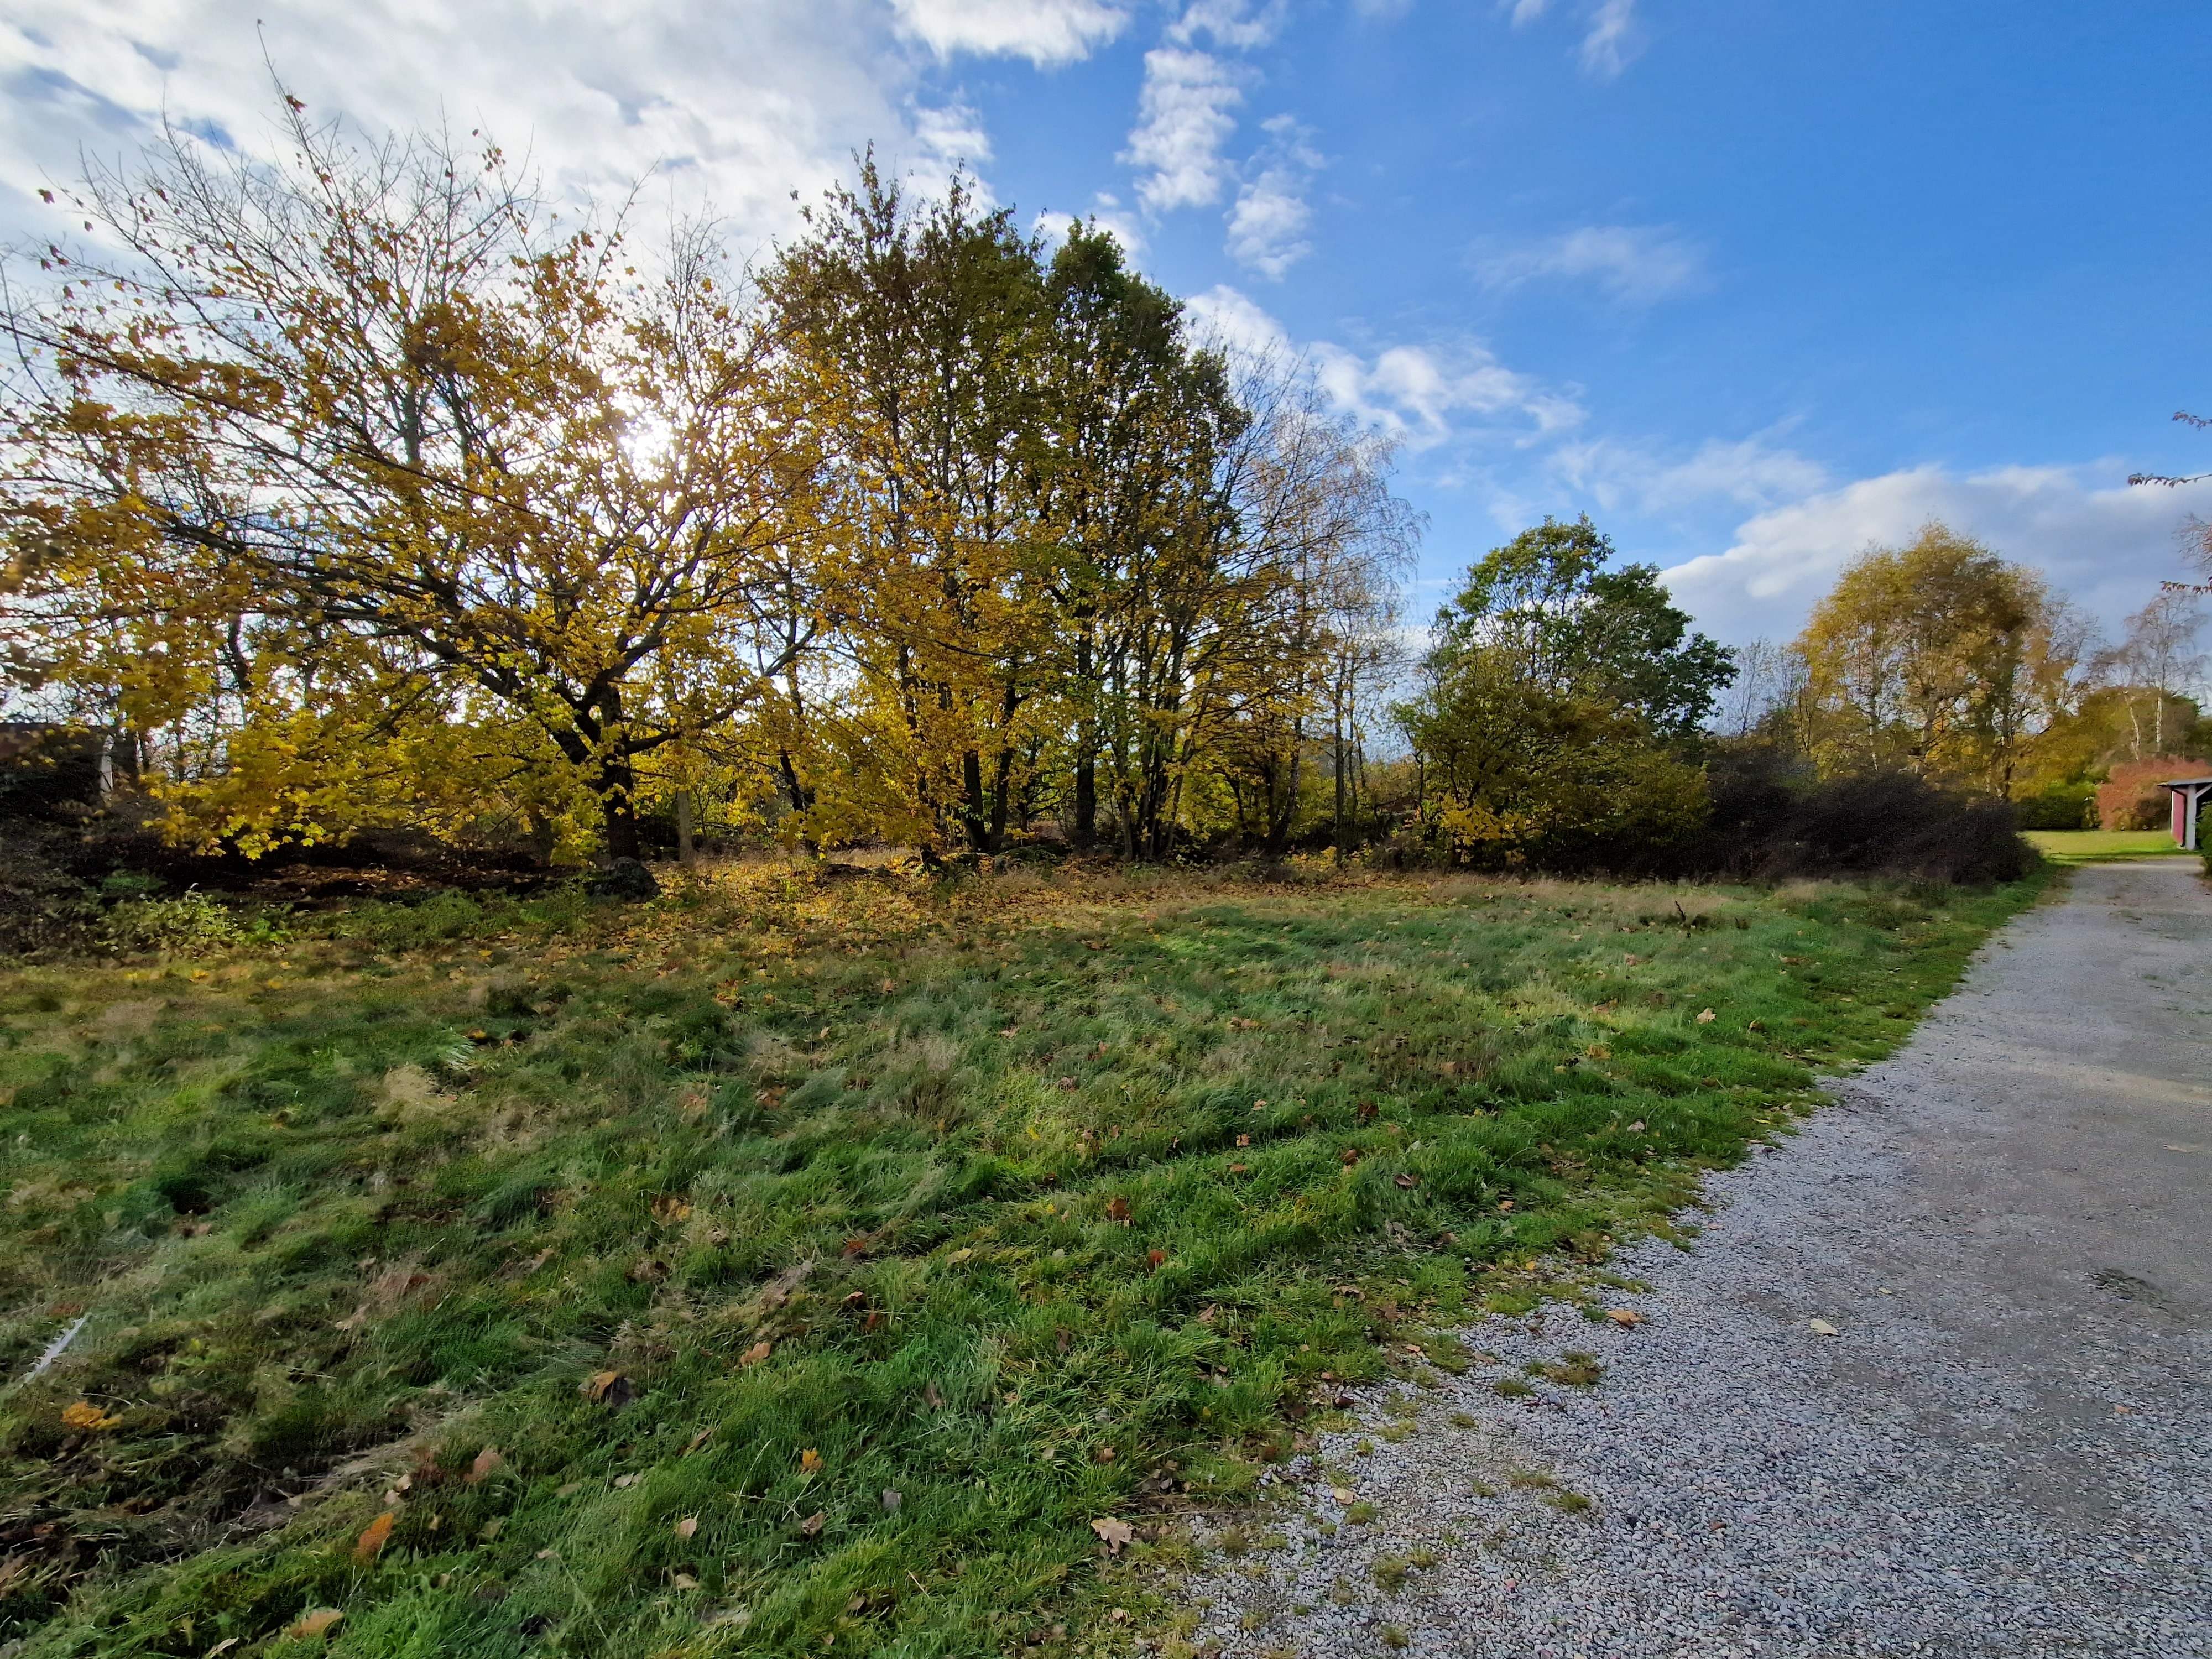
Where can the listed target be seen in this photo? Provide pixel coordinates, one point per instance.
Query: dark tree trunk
(618, 816)
(973, 811)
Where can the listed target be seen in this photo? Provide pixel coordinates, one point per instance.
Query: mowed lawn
(2103, 846)
(799, 1265)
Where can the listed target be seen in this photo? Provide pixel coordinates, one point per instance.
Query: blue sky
(1753, 282)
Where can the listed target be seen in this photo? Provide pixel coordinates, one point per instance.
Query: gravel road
(2006, 1448)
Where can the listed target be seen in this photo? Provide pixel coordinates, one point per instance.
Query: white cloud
(1423, 395)
(1268, 225)
(2107, 544)
(1239, 25)
(1046, 32)
(1637, 265)
(1232, 319)
(1106, 214)
(1747, 473)
(732, 103)
(1183, 119)
(1609, 31)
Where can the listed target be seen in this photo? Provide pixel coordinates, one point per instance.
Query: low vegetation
(826, 1265)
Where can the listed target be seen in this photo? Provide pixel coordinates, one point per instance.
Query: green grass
(2103, 846)
(788, 1267)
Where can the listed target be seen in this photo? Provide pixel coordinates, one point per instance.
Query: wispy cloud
(1046, 32)
(1425, 395)
(1610, 37)
(1636, 265)
(1185, 115)
(1748, 473)
(1266, 226)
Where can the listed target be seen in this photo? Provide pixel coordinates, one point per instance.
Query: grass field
(796, 1266)
(2103, 846)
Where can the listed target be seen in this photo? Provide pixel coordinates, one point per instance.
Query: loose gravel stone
(2003, 1448)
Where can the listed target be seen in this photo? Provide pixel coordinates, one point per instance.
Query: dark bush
(1771, 822)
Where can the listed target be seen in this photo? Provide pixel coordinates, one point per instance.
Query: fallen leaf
(1406, 1180)
(809, 1460)
(1822, 1327)
(373, 1536)
(1706, 1018)
(1629, 961)
(610, 1388)
(1117, 1209)
(317, 1623)
(487, 1462)
(224, 1646)
(887, 986)
(813, 1524)
(936, 1399)
(687, 1526)
(696, 1442)
(1244, 1141)
(669, 1208)
(683, 1581)
(86, 1416)
(1070, 1085)
(1154, 1259)
(1115, 1534)
(1351, 1156)
(893, 1499)
(758, 1351)
(1105, 1455)
(1623, 1316)
(624, 1482)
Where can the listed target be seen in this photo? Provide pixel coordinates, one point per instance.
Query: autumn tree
(366, 452)
(1562, 703)
(1939, 657)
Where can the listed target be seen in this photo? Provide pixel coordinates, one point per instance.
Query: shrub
(191, 921)
(2129, 798)
(1769, 823)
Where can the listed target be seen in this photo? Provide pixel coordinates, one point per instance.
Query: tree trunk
(618, 816)
(684, 854)
(978, 820)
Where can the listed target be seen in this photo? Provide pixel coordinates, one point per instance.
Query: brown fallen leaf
(696, 1442)
(372, 1538)
(670, 1207)
(88, 1418)
(1351, 1156)
(1115, 1534)
(1624, 1316)
(1244, 1141)
(813, 1524)
(780, 1288)
(317, 1623)
(936, 1399)
(1117, 1209)
(1154, 1259)
(611, 1389)
(687, 1526)
(1706, 1018)
(758, 1351)
(1105, 1455)
(486, 1463)
(809, 1460)
(1406, 1180)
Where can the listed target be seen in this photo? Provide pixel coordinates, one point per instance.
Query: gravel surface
(2005, 1448)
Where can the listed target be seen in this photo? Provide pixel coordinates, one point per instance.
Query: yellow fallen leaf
(317, 1623)
(809, 1460)
(373, 1536)
(87, 1417)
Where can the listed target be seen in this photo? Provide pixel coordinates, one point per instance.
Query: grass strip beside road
(788, 1266)
(2069, 846)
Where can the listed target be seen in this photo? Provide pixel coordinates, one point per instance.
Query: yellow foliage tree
(315, 466)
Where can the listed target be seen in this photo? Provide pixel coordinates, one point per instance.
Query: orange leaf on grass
(809, 1460)
(373, 1536)
(317, 1623)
